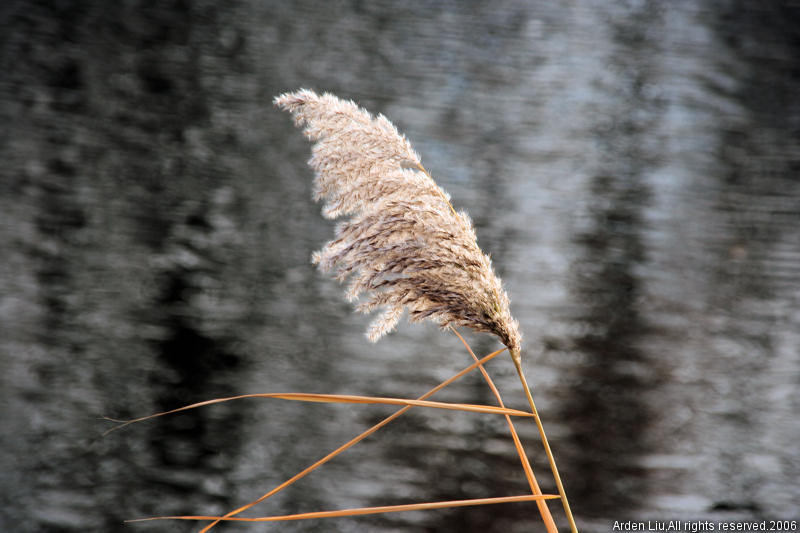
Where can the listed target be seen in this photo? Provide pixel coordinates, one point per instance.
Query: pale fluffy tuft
(403, 246)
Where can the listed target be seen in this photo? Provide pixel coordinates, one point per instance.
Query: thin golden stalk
(333, 398)
(346, 398)
(546, 444)
(352, 442)
(443, 194)
(547, 518)
(362, 510)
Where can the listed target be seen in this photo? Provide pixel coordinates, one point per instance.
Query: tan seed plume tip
(403, 246)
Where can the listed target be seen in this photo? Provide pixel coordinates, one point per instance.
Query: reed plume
(404, 245)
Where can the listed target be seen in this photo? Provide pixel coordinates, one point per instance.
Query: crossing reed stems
(547, 518)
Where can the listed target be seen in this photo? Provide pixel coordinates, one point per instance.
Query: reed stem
(544, 511)
(353, 441)
(550, 458)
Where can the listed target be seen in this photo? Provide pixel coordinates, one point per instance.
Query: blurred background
(632, 167)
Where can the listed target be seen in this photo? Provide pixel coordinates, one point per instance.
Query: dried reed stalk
(352, 442)
(407, 248)
(404, 245)
(360, 511)
(329, 398)
(537, 496)
(526, 466)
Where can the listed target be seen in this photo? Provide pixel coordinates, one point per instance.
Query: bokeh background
(632, 167)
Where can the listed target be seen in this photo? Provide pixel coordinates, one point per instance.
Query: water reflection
(604, 408)
(611, 424)
(191, 366)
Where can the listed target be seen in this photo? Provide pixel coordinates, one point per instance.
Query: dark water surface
(631, 166)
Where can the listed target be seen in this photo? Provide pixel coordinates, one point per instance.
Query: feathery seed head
(404, 245)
